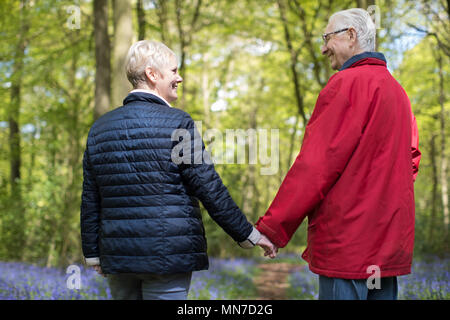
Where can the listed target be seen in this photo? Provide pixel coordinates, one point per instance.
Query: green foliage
(418, 74)
(237, 76)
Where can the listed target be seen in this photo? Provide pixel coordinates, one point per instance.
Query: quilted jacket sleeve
(90, 211)
(199, 175)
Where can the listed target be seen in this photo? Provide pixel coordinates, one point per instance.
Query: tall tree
(307, 29)
(444, 163)
(140, 13)
(434, 190)
(123, 38)
(185, 37)
(102, 58)
(293, 62)
(15, 224)
(437, 26)
(364, 4)
(16, 98)
(437, 16)
(294, 53)
(162, 16)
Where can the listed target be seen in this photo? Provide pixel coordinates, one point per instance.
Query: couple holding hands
(353, 178)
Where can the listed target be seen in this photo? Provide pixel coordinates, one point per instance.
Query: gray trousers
(131, 286)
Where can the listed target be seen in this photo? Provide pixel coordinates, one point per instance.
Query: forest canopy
(246, 65)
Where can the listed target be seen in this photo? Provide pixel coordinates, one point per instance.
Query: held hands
(269, 248)
(99, 270)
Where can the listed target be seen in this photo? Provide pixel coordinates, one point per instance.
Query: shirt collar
(360, 56)
(144, 95)
(151, 92)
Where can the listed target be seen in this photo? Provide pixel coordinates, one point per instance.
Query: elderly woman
(140, 217)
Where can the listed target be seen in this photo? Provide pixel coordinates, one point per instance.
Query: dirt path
(272, 282)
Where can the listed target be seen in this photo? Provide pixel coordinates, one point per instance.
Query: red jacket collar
(376, 58)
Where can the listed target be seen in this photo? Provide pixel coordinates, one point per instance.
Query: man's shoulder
(335, 83)
(360, 75)
(365, 71)
(365, 80)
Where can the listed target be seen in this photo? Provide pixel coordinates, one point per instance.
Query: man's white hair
(143, 54)
(361, 21)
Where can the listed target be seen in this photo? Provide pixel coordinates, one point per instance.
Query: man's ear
(151, 75)
(352, 34)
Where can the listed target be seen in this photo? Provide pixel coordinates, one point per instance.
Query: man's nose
(180, 79)
(324, 49)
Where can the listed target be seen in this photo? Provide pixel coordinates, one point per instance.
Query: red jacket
(353, 178)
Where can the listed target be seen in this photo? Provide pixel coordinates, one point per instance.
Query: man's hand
(99, 270)
(269, 248)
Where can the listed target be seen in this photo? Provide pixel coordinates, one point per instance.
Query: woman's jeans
(345, 289)
(130, 286)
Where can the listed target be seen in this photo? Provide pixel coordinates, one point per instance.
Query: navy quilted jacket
(140, 211)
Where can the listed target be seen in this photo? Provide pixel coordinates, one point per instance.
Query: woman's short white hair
(143, 54)
(361, 21)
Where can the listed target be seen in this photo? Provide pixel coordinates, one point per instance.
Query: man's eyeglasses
(326, 36)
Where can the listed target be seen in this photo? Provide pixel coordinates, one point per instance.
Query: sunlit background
(247, 64)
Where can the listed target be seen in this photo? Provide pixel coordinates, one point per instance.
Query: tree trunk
(308, 36)
(206, 91)
(293, 53)
(183, 49)
(251, 190)
(140, 13)
(291, 144)
(185, 39)
(14, 137)
(15, 224)
(73, 162)
(102, 59)
(444, 180)
(161, 12)
(364, 4)
(434, 191)
(448, 8)
(123, 38)
(16, 99)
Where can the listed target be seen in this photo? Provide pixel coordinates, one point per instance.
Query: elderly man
(140, 217)
(353, 177)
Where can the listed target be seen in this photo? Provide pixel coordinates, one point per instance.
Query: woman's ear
(151, 75)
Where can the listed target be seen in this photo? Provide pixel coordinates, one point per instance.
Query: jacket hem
(357, 275)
